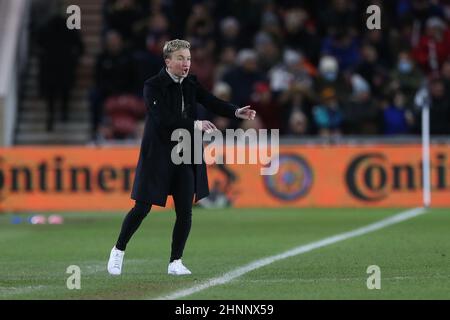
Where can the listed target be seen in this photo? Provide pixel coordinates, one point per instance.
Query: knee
(142, 208)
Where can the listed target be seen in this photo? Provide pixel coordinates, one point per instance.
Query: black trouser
(183, 193)
(52, 98)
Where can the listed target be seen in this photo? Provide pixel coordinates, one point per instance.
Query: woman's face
(179, 62)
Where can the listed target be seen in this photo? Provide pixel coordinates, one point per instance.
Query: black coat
(162, 97)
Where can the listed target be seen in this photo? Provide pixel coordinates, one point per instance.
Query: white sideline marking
(11, 291)
(396, 278)
(402, 216)
(87, 269)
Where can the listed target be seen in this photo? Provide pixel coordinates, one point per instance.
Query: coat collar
(166, 80)
(175, 78)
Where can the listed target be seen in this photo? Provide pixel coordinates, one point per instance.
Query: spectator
(114, 75)
(242, 78)
(372, 70)
(230, 35)
(301, 33)
(266, 106)
(203, 64)
(200, 27)
(59, 52)
(153, 28)
(397, 119)
(296, 98)
(222, 91)
(124, 16)
(330, 76)
(293, 69)
(344, 46)
(270, 23)
(439, 108)
(360, 112)
(406, 77)
(267, 51)
(226, 62)
(297, 123)
(405, 37)
(340, 14)
(377, 39)
(328, 115)
(248, 13)
(148, 62)
(434, 47)
(422, 10)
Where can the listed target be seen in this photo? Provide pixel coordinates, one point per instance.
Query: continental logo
(56, 176)
(371, 177)
(293, 180)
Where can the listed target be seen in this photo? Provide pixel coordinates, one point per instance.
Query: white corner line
(229, 276)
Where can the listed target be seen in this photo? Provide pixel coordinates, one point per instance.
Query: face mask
(404, 66)
(330, 76)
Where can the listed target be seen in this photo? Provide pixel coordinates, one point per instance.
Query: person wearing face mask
(171, 99)
(329, 76)
(406, 77)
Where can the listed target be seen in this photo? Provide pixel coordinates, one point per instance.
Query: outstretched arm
(221, 107)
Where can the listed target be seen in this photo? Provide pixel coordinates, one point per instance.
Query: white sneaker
(177, 268)
(115, 261)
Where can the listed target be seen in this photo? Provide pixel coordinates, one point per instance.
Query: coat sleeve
(161, 115)
(213, 103)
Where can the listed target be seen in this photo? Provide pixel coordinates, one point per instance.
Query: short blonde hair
(174, 45)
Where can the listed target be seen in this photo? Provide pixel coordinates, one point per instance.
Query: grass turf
(413, 256)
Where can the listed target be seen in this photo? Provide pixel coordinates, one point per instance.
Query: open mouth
(185, 70)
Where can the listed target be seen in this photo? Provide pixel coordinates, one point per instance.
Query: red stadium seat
(124, 111)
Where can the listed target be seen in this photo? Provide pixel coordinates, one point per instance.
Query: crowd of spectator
(306, 67)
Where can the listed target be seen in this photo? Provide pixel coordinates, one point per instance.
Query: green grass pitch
(413, 256)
